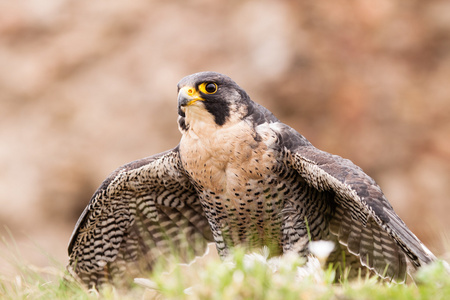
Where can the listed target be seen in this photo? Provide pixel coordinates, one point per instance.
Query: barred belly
(275, 211)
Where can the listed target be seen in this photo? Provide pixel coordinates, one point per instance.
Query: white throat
(199, 121)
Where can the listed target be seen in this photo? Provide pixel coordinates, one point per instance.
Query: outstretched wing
(362, 219)
(144, 209)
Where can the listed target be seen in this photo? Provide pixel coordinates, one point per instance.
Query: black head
(213, 93)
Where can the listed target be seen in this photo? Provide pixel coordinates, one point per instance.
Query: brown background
(86, 86)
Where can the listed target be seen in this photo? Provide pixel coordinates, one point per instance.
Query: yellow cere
(192, 93)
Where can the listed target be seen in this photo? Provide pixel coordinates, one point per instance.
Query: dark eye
(211, 87)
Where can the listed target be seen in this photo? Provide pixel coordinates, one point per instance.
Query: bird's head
(210, 97)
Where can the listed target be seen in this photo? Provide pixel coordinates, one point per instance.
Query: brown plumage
(238, 177)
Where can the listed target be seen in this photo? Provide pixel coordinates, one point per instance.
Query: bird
(238, 177)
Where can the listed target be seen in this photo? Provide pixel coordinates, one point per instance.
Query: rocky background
(86, 86)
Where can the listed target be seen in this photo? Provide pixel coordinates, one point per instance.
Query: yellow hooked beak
(188, 96)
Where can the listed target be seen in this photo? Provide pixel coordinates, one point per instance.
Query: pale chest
(226, 160)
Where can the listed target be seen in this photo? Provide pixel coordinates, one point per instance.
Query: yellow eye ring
(208, 87)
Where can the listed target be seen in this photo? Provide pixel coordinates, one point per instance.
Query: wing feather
(142, 211)
(363, 219)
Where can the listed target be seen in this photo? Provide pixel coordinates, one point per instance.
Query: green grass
(210, 278)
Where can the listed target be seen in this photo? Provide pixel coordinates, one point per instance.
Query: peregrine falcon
(238, 177)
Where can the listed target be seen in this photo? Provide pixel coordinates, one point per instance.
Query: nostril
(190, 92)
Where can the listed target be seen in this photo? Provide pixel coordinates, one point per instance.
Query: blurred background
(86, 86)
